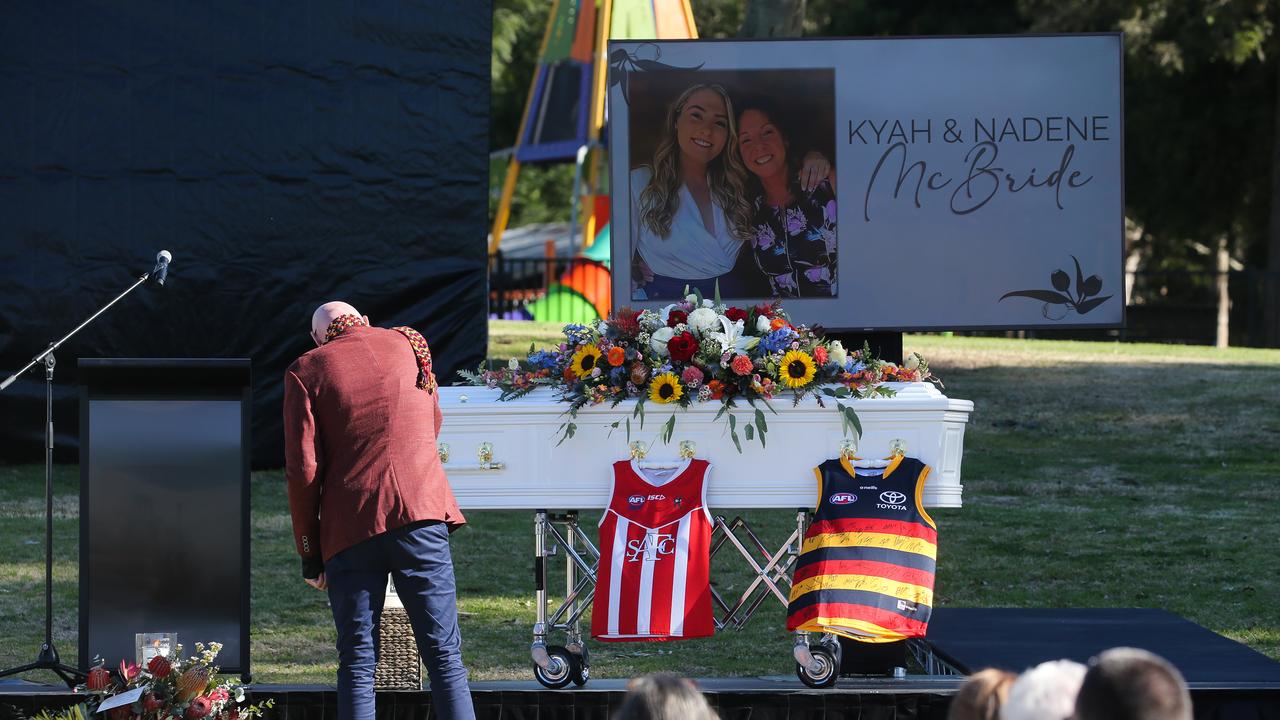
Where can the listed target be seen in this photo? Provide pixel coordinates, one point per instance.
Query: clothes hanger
(639, 450)
(848, 448)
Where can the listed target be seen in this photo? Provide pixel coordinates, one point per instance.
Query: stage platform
(1228, 680)
(758, 698)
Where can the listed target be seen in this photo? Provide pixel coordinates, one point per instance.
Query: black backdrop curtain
(285, 153)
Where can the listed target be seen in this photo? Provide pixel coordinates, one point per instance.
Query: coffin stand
(508, 456)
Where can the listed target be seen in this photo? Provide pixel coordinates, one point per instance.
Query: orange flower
(717, 389)
(778, 323)
(617, 356)
(569, 375)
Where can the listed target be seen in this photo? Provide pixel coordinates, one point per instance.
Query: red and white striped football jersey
(654, 577)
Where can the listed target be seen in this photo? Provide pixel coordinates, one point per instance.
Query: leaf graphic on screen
(623, 63)
(1048, 296)
(1082, 302)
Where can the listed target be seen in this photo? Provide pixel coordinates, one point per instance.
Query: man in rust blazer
(369, 497)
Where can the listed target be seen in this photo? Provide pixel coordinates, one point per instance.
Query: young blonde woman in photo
(689, 212)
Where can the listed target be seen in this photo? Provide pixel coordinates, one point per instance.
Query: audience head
(1045, 692)
(981, 696)
(1132, 684)
(664, 696)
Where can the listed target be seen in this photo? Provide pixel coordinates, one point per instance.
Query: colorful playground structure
(563, 121)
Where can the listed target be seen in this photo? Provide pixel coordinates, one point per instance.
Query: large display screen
(873, 184)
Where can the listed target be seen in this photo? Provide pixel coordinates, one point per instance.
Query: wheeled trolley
(558, 665)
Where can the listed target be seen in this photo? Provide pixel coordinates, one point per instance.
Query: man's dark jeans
(417, 557)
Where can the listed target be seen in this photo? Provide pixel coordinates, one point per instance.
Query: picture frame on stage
(151, 644)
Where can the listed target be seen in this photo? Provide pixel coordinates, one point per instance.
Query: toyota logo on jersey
(892, 500)
(842, 498)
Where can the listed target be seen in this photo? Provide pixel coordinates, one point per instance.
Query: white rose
(911, 362)
(691, 298)
(708, 303)
(702, 320)
(514, 364)
(836, 353)
(658, 341)
(763, 324)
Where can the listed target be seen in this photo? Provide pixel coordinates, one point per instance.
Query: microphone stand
(48, 657)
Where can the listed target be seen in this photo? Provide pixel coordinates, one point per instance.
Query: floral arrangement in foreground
(171, 689)
(701, 350)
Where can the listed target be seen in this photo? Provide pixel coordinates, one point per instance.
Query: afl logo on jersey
(842, 498)
(635, 501)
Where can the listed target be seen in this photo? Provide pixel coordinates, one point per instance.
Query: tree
(773, 18)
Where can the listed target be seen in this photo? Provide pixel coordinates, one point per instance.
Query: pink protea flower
(199, 708)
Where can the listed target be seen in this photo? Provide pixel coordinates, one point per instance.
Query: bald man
(369, 497)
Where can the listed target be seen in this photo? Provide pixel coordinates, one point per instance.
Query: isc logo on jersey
(892, 500)
(842, 498)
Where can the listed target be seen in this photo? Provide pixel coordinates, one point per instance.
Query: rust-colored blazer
(360, 444)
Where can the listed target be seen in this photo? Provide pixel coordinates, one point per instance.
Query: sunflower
(665, 388)
(797, 368)
(585, 360)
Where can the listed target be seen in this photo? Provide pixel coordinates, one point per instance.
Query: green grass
(1096, 475)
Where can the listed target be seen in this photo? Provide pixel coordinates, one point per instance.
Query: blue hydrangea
(578, 334)
(542, 360)
(853, 366)
(778, 339)
(618, 375)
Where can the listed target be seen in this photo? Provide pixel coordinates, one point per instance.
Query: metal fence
(1163, 306)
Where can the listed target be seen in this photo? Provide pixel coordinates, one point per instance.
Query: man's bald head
(326, 314)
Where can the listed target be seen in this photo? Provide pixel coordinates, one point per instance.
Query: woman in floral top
(794, 230)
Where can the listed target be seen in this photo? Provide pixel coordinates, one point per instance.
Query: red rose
(677, 317)
(735, 314)
(765, 310)
(682, 347)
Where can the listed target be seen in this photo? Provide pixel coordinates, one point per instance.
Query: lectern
(164, 506)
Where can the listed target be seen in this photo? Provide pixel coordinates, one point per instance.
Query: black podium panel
(164, 505)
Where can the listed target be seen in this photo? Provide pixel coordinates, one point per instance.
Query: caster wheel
(581, 671)
(828, 668)
(560, 671)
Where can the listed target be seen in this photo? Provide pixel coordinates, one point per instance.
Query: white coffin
(528, 471)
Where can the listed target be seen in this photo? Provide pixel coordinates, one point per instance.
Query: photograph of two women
(732, 184)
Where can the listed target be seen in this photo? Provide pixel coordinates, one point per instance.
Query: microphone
(161, 270)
